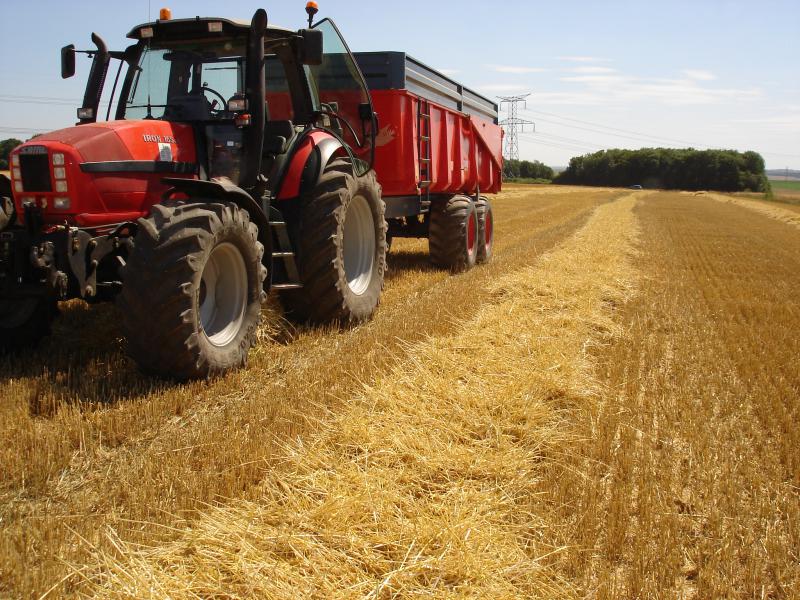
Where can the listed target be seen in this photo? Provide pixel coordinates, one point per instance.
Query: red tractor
(240, 159)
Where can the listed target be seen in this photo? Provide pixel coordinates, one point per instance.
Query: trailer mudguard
(314, 151)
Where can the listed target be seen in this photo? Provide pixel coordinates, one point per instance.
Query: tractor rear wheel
(485, 229)
(24, 322)
(340, 243)
(453, 234)
(192, 290)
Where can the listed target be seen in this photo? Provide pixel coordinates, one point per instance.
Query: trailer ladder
(424, 146)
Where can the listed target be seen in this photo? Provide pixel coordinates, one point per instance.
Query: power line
(570, 147)
(23, 130)
(31, 97)
(617, 129)
(560, 138)
(513, 124)
(630, 134)
(640, 139)
(6, 100)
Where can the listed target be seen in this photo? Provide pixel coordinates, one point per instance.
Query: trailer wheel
(341, 249)
(192, 290)
(23, 323)
(453, 235)
(485, 229)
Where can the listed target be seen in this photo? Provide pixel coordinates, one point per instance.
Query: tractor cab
(248, 91)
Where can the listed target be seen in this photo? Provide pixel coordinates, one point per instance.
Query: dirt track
(93, 452)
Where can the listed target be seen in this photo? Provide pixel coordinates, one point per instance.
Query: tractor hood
(101, 173)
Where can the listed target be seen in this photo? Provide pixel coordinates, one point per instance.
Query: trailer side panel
(465, 146)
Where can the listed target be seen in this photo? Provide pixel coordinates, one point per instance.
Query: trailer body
(436, 137)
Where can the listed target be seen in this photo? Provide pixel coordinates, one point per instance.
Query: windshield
(187, 82)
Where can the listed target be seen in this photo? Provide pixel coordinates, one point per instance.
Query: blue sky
(601, 74)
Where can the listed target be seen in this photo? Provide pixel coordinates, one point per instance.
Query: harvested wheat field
(607, 410)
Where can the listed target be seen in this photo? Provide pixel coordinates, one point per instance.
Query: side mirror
(68, 61)
(309, 48)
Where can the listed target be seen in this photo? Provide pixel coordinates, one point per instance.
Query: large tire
(340, 244)
(23, 323)
(453, 234)
(192, 290)
(485, 229)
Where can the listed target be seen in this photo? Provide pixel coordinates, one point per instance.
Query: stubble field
(607, 410)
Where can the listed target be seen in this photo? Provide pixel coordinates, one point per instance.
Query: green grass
(527, 180)
(785, 185)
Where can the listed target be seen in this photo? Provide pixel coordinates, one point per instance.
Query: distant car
(635, 187)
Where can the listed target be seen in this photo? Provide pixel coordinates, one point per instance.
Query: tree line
(525, 169)
(669, 168)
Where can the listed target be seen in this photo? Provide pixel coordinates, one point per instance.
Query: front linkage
(40, 265)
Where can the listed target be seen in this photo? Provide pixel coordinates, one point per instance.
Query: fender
(226, 192)
(309, 161)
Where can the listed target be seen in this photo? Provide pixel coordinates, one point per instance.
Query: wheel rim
(472, 233)
(488, 231)
(223, 294)
(359, 245)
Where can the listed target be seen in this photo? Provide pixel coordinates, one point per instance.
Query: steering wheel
(223, 106)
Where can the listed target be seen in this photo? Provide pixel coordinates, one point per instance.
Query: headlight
(58, 159)
(28, 202)
(18, 186)
(15, 160)
(85, 113)
(60, 173)
(61, 203)
(16, 173)
(61, 186)
(237, 104)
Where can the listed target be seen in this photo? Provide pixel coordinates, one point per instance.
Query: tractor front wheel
(25, 321)
(192, 290)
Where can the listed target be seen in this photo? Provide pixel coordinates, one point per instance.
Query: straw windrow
(428, 482)
(770, 209)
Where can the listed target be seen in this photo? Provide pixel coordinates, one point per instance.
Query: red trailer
(439, 144)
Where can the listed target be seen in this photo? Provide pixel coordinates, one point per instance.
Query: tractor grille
(35, 172)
